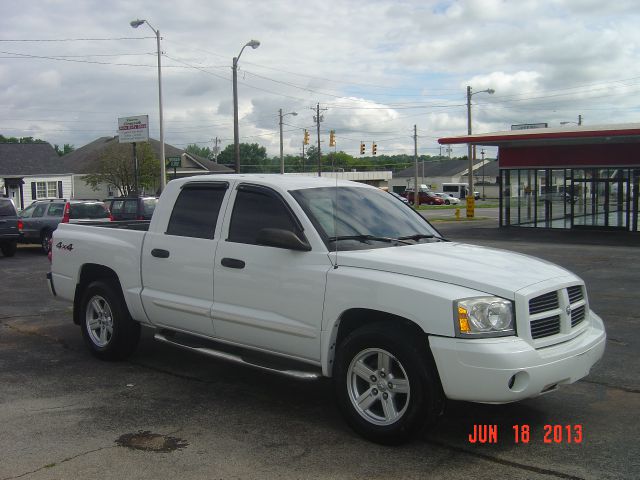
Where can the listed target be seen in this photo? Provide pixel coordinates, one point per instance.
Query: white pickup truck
(309, 277)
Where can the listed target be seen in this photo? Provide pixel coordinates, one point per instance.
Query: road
(64, 414)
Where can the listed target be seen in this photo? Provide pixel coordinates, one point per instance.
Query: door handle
(232, 263)
(160, 253)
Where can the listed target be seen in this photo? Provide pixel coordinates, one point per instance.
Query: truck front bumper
(508, 369)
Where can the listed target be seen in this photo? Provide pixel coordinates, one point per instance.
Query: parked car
(399, 197)
(448, 199)
(41, 218)
(426, 197)
(476, 195)
(9, 232)
(131, 208)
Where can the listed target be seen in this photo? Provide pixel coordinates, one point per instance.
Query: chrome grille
(575, 294)
(577, 315)
(543, 303)
(545, 327)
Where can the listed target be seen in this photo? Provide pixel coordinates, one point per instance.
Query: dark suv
(131, 208)
(42, 217)
(9, 232)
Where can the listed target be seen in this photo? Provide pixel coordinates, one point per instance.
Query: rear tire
(9, 248)
(45, 241)
(107, 328)
(387, 387)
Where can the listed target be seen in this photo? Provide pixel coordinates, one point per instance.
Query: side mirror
(280, 238)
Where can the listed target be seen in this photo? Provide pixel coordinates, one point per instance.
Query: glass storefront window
(568, 198)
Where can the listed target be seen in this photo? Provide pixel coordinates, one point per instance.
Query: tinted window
(55, 210)
(39, 210)
(130, 206)
(27, 212)
(88, 210)
(116, 206)
(195, 213)
(6, 208)
(255, 209)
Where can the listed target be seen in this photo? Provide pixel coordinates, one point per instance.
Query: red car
(426, 198)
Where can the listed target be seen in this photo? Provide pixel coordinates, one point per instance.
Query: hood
(490, 270)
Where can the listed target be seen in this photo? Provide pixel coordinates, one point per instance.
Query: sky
(70, 69)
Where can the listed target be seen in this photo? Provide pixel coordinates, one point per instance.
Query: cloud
(379, 67)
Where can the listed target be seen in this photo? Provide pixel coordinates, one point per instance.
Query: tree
(253, 158)
(4, 139)
(204, 152)
(114, 167)
(68, 148)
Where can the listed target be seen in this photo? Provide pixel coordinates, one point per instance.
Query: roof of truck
(287, 181)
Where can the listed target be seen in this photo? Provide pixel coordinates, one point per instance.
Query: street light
(236, 135)
(579, 122)
(163, 174)
(281, 146)
(490, 91)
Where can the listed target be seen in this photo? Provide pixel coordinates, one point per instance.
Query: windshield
(364, 218)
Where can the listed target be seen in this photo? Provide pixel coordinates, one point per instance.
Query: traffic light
(332, 138)
(374, 148)
(361, 148)
(306, 137)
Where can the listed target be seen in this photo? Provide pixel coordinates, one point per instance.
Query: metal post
(135, 169)
(302, 156)
(483, 179)
(281, 146)
(469, 154)
(416, 188)
(163, 171)
(319, 154)
(236, 133)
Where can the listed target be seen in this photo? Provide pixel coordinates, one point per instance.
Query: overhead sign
(133, 129)
(527, 126)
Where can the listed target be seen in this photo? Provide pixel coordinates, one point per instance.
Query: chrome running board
(230, 357)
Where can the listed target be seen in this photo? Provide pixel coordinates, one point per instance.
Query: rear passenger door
(177, 260)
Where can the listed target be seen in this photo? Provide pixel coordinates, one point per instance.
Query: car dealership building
(568, 178)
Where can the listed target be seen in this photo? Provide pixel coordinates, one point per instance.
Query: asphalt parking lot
(166, 413)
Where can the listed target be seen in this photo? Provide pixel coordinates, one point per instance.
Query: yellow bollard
(457, 214)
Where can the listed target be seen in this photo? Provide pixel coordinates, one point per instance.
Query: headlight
(484, 317)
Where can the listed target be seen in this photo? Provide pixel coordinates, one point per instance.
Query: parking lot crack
(55, 464)
(508, 463)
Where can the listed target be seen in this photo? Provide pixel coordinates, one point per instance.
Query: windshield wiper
(419, 236)
(364, 238)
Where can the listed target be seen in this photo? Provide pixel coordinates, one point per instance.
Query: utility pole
(579, 119)
(216, 150)
(416, 188)
(483, 181)
(303, 156)
(318, 118)
(281, 145)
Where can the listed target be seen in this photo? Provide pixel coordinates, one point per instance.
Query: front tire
(387, 389)
(107, 328)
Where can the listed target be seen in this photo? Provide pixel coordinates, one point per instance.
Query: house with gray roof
(30, 171)
(436, 172)
(34, 171)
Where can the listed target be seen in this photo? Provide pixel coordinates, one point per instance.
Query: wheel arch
(90, 272)
(355, 318)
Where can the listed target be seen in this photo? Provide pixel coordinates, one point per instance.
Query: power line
(72, 39)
